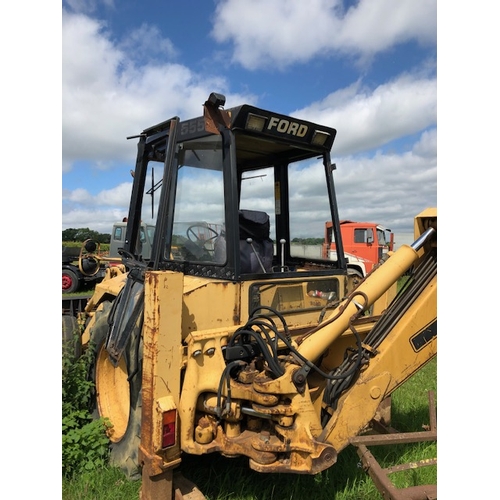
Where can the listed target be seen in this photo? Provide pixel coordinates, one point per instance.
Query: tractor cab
(232, 193)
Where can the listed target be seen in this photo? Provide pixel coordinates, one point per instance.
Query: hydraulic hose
(344, 375)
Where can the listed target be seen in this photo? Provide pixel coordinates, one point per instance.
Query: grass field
(222, 478)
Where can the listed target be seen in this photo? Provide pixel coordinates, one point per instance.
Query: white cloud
(146, 42)
(80, 196)
(319, 27)
(388, 188)
(366, 119)
(376, 25)
(100, 220)
(107, 97)
(427, 145)
(118, 196)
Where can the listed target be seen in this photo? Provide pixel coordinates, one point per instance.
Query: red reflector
(168, 433)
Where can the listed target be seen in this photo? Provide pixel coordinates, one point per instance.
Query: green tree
(82, 234)
(69, 234)
(308, 241)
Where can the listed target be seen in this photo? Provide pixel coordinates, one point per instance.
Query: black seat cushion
(256, 226)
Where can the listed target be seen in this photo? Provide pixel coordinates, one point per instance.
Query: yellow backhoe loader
(224, 341)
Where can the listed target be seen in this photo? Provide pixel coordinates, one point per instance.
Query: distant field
(104, 247)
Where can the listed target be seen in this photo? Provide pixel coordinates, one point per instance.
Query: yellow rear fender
(105, 291)
(108, 288)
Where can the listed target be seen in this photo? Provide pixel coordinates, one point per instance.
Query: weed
(84, 440)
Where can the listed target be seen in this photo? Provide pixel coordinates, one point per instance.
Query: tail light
(168, 429)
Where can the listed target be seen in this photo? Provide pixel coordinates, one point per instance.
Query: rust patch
(215, 119)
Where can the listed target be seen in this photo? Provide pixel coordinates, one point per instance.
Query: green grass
(222, 478)
(105, 484)
(86, 289)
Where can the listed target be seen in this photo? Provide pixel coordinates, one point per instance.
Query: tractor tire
(117, 397)
(71, 336)
(70, 281)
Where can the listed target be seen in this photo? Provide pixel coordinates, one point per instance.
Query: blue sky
(366, 68)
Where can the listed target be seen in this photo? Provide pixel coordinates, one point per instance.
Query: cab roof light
(168, 428)
(255, 122)
(319, 138)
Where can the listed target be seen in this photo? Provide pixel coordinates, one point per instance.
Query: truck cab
(144, 243)
(365, 244)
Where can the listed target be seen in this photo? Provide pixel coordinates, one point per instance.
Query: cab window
(118, 234)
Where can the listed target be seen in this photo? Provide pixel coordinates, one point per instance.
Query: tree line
(84, 233)
(308, 241)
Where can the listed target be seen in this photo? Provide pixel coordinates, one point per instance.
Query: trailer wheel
(71, 336)
(118, 394)
(70, 281)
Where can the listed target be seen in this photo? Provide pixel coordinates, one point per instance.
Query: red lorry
(365, 244)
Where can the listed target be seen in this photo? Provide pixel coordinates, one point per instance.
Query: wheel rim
(113, 394)
(66, 282)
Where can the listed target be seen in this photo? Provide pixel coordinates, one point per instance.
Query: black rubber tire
(71, 283)
(71, 336)
(123, 453)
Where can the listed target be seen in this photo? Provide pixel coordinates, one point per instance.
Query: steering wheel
(193, 236)
(195, 246)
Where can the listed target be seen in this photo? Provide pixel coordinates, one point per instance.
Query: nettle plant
(84, 440)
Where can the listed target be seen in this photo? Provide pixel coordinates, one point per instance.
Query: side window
(360, 236)
(142, 236)
(118, 234)
(381, 237)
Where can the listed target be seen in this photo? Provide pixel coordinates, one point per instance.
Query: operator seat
(256, 248)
